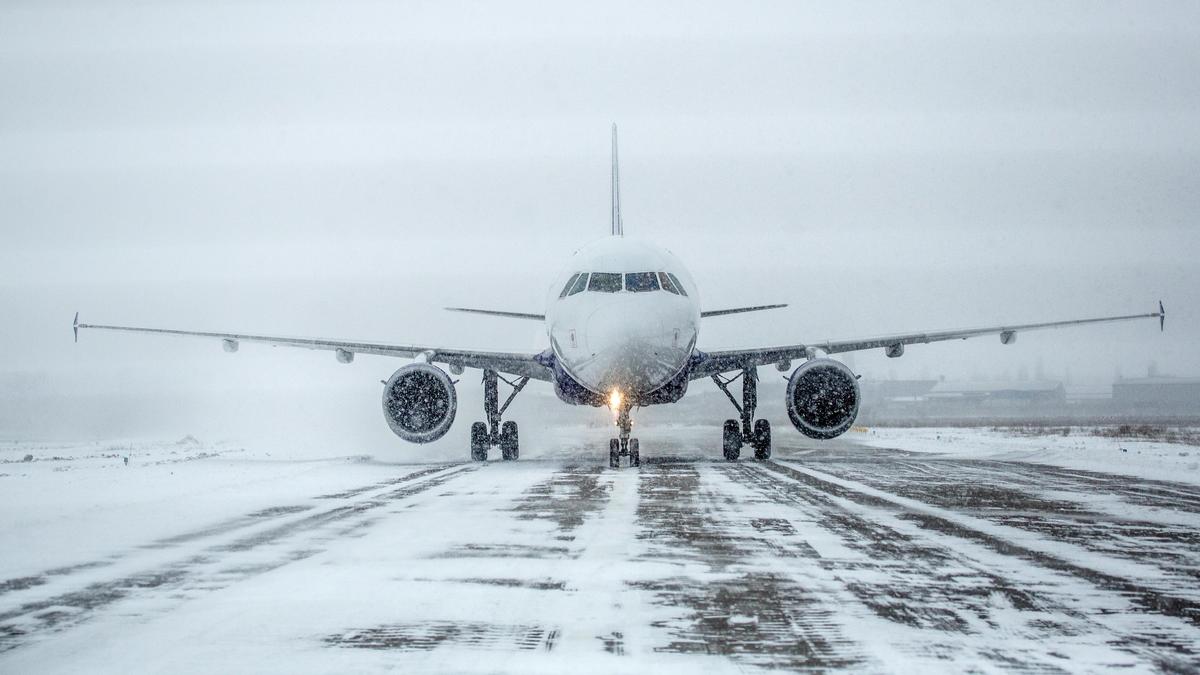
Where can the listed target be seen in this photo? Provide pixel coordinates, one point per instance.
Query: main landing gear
(624, 446)
(747, 431)
(485, 435)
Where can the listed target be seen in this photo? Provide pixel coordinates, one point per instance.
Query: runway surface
(824, 558)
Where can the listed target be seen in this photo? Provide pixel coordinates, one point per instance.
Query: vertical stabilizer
(618, 228)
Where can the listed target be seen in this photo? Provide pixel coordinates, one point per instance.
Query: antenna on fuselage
(618, 227)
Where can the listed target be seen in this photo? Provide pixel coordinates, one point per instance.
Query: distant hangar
(1160, 394)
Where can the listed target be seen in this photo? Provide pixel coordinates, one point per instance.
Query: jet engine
(419, 403)
(822, 398)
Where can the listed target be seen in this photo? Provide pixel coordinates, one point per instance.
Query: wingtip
(1162, 317)
(75, 327)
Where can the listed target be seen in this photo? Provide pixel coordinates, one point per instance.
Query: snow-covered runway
(827, 557)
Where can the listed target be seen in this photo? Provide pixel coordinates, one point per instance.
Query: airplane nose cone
(634, 351)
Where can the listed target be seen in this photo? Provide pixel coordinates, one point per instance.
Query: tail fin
(618, 227)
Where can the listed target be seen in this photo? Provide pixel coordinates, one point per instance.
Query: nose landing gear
(485, 435)
(624, 446)
(747, 430)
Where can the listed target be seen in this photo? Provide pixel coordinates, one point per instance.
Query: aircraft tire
(635, 456)
(762, 439)
(509, 441)
(479, 442)
(614, 453)
(732, 440)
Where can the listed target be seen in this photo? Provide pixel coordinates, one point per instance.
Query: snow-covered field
(214, 557)
(1081, 448)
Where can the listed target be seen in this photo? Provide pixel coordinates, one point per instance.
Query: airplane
(622, 324)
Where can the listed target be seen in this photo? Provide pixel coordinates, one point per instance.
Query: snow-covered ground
(220, 557)
(1079, 449)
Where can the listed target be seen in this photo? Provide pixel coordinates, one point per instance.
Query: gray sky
(345, 169)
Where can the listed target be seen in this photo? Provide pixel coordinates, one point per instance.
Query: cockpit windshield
(580, 284)
(605, 282)
(615, 282)
(570, 282)
(640, 282)
(667, 284)
(678, 286)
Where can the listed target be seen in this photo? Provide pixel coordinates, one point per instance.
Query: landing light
(614, 399)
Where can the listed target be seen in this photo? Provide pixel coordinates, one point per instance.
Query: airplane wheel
(732, 440)
(479, 442)
(635, 457)
(509, 447)
(762, 439)
(614, 453)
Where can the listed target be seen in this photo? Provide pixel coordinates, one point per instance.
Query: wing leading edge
(738, 310)
(494, 312)
(714, 362)
(525, 365)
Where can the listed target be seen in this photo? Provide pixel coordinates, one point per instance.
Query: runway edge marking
(1000, 538)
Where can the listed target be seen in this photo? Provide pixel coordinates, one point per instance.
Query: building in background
(1158, 395)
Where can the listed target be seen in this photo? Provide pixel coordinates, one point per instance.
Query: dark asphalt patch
(568, 497)
(503, 551)
(757, 617)
(760, 619)
(614, 643)
(1150, 599)
(429, 635)
(79, 602)
(672, 518)
(1009, 493)
(535, 584)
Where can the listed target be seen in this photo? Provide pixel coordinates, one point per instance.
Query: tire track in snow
(555, 524)
(1103, 608)
(747, 606)
(217, 565)
(1051, 505)
(211, 531)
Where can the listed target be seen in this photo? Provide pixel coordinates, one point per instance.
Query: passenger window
(641, 282)
(580, 284)
(605, 282)
(667, 284)
(570, 283)
(678, 286)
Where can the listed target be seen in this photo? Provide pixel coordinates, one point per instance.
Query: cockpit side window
(667, 284)
(641, 282)
(605, 282)
(678, 285)
(570, 282)
(580, 284)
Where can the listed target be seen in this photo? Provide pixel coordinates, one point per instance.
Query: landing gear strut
(485, 435)
(747, 430)
(624, 445)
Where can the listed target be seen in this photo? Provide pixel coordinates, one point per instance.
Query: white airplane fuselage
(630, 326)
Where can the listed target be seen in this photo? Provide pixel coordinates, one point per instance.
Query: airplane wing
(738, 310)
(711, 363)
(524, 365)
(493, 312)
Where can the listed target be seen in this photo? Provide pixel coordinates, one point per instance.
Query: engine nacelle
(419, 403)
(822, 398)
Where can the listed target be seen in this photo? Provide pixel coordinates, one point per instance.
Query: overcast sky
(345, 169)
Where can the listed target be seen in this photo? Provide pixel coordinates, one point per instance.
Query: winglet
(75, 327)
(1162, 317)
(618, 227)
